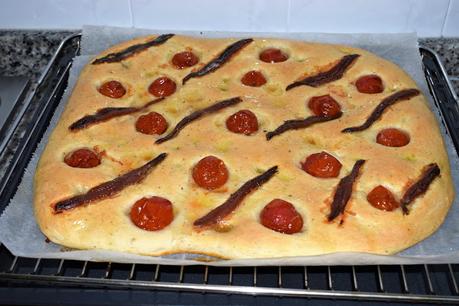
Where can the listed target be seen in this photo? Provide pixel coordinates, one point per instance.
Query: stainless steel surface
(12, 91)
(156, 278)
(206, 275)
(13, 265)
(329, 278)
(132, 272)
(428, 280)
(21, 110)
(443, 70)
(181, 274)
(279, 277)
(230, 276)
(108, 271)
(84, 270)
(61, 80)
(305, 273)
(404, 282)
(453, 280)
(11, 88)
(380, 279)
(355, 285)
(37, 266)
(59, 269)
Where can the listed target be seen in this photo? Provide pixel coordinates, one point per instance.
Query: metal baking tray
(414, 283)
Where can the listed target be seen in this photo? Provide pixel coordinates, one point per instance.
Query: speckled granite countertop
(27, 53)
(448, 50)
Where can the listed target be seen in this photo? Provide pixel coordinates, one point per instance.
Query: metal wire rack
(413, 283)
(418, 283)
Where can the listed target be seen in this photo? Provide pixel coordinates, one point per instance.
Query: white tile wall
(423, 16)
(220, 15)
(427, 17)
(66, 14)
(451, 28)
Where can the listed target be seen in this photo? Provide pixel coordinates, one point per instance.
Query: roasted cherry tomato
(253, 79)
(392, 137)
(242, 122)
(82, 158)
(112, 89)
(210, 173)
(162, 87)
(369, 84)
(273, 55)
(324, 106)
(321, 165)
(381, 198)
(281, 216)
(151, 123)
(152, 213)
(184, 59)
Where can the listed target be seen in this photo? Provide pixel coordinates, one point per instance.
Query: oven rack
(402, 283)
(413, 283)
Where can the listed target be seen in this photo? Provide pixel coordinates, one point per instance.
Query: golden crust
(106, 224)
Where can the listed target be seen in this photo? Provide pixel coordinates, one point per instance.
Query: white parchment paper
(21, 235)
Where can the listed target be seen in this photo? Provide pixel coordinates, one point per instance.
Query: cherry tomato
(381, 198)
(242, 122)
(369, 84)
(281, 216)
(151, 123)
(162, 87)
(273, 55)
(184, 59)
(152, 213)
(321, 165)
(210, 173)
(82, 158)
(253, 79)
(392, 137)
(324, 106)
(112, 89)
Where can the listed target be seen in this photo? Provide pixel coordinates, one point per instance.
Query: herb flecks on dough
(220, 212)
(421, 185)
(220, 60)
(110, 188)
(344, 191)
(105, 114)
(300, 124)
(401, 95)
(132, 50)
(198, 114)
(333, 74)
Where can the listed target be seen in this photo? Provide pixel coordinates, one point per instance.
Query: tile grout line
(448, 11)
(289, 8)
(131, 14)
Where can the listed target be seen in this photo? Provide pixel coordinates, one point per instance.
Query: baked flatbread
(176, 144)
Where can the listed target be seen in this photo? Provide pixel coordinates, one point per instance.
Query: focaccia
(242, 148)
